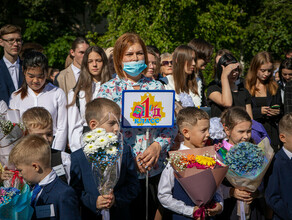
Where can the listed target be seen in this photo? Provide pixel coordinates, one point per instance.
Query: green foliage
(35, 29)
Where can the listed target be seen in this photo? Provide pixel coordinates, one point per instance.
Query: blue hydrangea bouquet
(103, 150)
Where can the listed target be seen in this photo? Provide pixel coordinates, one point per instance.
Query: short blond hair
(285, 124)
(9, 29)
(31, 149)
(37, 117)
(97, 107)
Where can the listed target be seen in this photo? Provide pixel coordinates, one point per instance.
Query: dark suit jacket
(63, 198)
(279, 190)
(6, 83)
(126, 189)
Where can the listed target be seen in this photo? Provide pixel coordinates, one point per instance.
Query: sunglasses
(166, 63)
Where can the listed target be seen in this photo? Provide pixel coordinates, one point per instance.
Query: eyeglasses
(13, 40)
(166, 63)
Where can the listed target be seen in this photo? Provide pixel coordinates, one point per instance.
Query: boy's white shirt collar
(288, 153)
(183, 147)
(48, 179)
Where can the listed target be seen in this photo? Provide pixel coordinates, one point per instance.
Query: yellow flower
(206, 161)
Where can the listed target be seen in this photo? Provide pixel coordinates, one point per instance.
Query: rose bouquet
(248, 164)
(103, 151)
(10, 133)
(15, 199)
(199, 173)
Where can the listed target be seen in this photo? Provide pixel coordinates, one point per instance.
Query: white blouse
(77, 118)
(197, 99)
(54, 100)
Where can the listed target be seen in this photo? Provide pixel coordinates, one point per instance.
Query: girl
(266, 96)
(237, 126)
(35, 91)
(285, 74)
(94, 73)
(224, 91)
(183, 80)
(130, 58)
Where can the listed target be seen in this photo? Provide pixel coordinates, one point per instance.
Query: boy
(279, 191)
(194, 125)
(11, 76)
(51, 197)
(104, 113)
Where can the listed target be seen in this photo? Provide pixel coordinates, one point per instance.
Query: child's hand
(6, 174)
(241, 195)
(105, 201)
(214, 211)
(195, 209)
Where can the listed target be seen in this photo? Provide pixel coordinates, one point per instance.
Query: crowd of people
(57, 108)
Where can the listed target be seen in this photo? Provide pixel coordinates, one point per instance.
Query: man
(11, 76)
(68, 77)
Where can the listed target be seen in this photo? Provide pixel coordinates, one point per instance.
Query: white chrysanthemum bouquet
(103, 151)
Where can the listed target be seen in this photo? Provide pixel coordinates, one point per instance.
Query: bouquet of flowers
(15, 199)
(248, 164)
(10, 133)
(199, 173)
(103, 151)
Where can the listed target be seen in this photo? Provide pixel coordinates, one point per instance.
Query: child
(38, 120)
(193, 124)
(51, 197)
(237, 125)
(104, 113)
(35, 91)
(278, 193)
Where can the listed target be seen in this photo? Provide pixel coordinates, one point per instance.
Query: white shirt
(76, 72)
(54, 100)
(13, 69)
(66, 161)
(3, 107)
(197, 99)
(165, 196)
(47, 180)
(77, 118)
(288, 153)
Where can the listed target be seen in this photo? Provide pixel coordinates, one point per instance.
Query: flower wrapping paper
(200, 184)
(253, 164)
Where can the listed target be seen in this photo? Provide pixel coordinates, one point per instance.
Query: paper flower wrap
(15, 199)
(248, 164)
(10, 133)
(103, 151)
(199, 182)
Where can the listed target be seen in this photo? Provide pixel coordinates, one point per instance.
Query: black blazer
(6, 83)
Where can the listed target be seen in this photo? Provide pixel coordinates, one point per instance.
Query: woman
(35, 91)
(130, 56)
(94, 73)
(285, 75)
(224, 91)
(183, 79)
(266, 95)
(166, 64)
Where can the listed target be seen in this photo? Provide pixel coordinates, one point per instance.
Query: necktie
(37, 188)
(14, 75)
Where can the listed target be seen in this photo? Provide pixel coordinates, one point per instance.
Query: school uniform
(61, 162)
(55, 201)
(76, 115)
(173, 197)
(83, 181)
(53, 99)
(11, 78)
(279, 191)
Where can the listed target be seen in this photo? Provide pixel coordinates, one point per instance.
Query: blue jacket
(126, 189)
(63, 198)
(6, 83)
(279, 190)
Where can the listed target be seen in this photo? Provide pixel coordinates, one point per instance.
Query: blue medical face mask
(134, 68)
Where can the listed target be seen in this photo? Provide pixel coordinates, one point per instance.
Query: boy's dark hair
(233, 116)
(97, 107)
(190, 115)
(203, 49)
(78, 40)
(285, 124)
